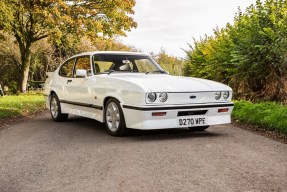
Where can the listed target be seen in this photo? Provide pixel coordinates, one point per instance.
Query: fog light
(158, 114)
(223, 110)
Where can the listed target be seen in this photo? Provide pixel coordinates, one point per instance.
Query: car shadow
(143, 135)
(168, 134)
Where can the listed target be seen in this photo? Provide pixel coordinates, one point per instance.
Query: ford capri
(130, 90)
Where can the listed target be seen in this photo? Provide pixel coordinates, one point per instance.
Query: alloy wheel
(113, 116)
(54, 107)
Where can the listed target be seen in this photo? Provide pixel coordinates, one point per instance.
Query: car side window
(67, 69)
(102, 66)
(83, 63)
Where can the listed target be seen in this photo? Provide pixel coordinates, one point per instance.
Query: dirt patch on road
(262, 131)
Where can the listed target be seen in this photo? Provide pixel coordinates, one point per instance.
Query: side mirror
(81, 73)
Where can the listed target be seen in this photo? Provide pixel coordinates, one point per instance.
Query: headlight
(151, 97)
(225, 95)
(162, 97)
(217, 95)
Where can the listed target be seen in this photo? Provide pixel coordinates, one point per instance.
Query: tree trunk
(25, 68)
(23, 79)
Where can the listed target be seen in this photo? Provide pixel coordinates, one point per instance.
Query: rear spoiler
(49, 74)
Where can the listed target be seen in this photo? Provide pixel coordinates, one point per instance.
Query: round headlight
(151, 97)
(217, 95)
(225, 95)
(162, 97)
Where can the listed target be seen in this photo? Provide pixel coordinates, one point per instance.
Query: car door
(64, 78)
(79, 90)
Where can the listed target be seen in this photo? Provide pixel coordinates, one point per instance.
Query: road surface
(79, 155)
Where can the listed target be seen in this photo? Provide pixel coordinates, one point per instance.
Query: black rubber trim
(190, 113)
(82, 104)
(176, 107)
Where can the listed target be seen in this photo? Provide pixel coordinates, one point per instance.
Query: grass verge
(270, 115)
(21, 105)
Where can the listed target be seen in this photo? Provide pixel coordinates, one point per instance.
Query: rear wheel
(198, 128)
(55, 109)
(114, 118)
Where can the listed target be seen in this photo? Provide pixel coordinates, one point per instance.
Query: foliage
(169, 63)
(45, 56)
(265, 114)
(209, 57)
(10, 59)
(9, 62)
(250, 55)
(30, 21)
(21, 105)
(103, 44)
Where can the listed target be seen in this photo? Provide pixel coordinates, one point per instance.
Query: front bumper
(142, 118)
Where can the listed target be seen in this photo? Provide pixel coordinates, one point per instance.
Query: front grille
(189, 113)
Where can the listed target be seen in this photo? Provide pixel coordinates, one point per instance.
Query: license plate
(192, 121)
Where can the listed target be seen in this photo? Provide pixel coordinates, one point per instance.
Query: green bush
(248, 54)
(269, 115)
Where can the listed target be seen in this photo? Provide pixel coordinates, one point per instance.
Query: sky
(172, 24)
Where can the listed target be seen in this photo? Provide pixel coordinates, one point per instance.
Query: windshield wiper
(110, 71)
(157, 71)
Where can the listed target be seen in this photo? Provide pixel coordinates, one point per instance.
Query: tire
(114, 118)
(194, 129)
(55, 109)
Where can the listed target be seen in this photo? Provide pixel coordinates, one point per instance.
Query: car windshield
(109, 63)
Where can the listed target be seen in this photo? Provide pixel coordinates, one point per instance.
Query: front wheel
(55, 109)
(202, 128)
(114, 118)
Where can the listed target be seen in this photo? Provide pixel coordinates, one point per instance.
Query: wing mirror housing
(81, 73)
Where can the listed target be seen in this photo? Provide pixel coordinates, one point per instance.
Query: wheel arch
(56, 114)
(121, 129)
(111, 97)
(52, 92)
(105, 102)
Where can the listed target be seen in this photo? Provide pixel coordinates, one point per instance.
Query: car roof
(109, 52)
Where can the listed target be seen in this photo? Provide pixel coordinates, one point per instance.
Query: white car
(130, 90)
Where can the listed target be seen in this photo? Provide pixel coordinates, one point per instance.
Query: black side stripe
(179, 108)
(82, 104)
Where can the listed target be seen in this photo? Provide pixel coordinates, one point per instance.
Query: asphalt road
(79, 155)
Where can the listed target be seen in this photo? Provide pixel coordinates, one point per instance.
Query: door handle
(69, 81)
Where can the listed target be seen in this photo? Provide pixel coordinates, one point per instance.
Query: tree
(259, 50)
(210, 57)
(111, 44)
(10, 61)
(32, 20)
(169, 63)
(250, 54)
